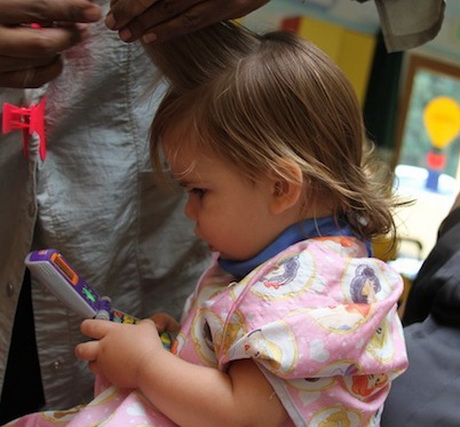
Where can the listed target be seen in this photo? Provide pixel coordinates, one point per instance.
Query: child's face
(232, 214)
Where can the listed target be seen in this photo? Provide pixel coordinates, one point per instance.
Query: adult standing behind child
(93, 196)
(294, 323)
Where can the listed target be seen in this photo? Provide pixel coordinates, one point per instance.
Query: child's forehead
(179, 149)
(185, 160)
(176, 141)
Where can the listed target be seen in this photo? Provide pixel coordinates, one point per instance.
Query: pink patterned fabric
(319, 319)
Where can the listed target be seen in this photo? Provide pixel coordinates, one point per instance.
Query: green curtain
(381, 102)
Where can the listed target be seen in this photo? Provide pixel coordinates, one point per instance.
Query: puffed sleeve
(320, 321)
(313, 312)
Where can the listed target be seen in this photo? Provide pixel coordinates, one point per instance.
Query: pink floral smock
(319, 319)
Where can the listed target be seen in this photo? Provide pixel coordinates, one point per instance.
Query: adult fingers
(168, 19)
(9, 64)
(167, 16)
(123, 11)
(29, 43)
(31, 77)
(30, 57)
(14, 12)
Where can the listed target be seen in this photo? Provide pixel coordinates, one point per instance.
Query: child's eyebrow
(184, 182)
(188, 179)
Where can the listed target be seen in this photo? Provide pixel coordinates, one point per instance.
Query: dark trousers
(22, 390)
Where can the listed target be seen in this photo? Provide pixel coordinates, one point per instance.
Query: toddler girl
(294, 323)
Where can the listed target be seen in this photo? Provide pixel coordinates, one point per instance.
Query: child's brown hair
(258, 101)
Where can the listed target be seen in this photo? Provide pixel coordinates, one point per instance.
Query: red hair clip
(30, 120)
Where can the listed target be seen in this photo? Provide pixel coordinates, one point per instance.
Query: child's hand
(165, 323)
(120, 350)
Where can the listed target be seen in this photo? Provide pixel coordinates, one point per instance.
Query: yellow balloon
(442, 120)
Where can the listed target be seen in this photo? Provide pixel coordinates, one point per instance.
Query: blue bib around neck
(309, 228)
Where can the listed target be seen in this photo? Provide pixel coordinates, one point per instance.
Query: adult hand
(160, 20)
(29, 53)
(119, 351)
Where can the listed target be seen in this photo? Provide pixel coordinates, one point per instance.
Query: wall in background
(344, 30)
(360, 17)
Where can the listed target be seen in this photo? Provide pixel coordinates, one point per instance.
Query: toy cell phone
(56, 273)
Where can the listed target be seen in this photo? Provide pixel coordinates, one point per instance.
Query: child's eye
(200, 192)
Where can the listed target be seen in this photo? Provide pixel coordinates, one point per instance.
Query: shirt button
(9, 290)
(56, 365)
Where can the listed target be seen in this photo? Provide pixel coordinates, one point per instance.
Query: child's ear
(286, 187)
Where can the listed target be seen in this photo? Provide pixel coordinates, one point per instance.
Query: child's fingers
(164, 322)
(149, 324)
(87, 351)
(95, 329)
(161, 321)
